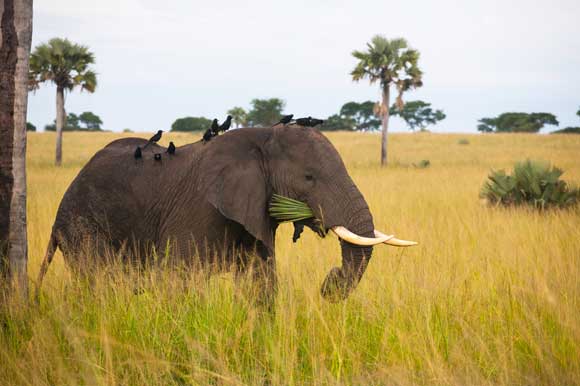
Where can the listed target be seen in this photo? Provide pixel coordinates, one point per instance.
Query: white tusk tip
(394, 241)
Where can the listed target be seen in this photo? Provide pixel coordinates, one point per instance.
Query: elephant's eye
(309, 177)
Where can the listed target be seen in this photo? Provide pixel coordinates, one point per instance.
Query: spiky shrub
(423, 164)
(287, 209)
(534, 183)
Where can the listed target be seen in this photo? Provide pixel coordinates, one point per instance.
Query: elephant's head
(247, 166)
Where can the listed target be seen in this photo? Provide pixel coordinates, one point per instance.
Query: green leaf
(287, 209)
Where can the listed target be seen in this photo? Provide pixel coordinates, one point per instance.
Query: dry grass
(490, 296)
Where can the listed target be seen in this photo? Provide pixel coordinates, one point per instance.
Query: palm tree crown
(64, 63)
(389, 62)
(67, 65)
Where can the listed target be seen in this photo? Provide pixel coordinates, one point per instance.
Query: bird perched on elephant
(209, 205)
(286, 119)
(215, 127)
(154, 139)
(306, 122)
(171, 148)
(226, 125)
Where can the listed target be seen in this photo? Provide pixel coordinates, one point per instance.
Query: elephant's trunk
(341, 281)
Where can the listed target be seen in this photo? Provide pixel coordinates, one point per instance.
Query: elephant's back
(123, 143)
(114, 191)
(114, 168)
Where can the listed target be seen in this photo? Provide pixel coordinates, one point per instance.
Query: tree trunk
(60, 122)
(15, 38)
(385, 130)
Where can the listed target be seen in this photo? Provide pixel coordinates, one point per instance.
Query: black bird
(157, 157)
(171, 148)
(215, 127)
(138, 152)
(304, 121)
(155, 138)
(314, 122)
(226, 125)
(208, 135)
(286, 119)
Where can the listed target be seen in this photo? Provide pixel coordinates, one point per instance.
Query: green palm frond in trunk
(287, 209)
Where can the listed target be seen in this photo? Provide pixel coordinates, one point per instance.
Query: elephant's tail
(50, 250)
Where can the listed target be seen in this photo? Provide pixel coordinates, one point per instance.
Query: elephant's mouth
(356, 246)
(285, 209)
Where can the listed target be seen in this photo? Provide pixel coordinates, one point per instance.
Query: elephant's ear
(237, 186)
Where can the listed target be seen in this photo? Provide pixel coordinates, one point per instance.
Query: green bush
(463, 141)
(533, 183)
(423, 164)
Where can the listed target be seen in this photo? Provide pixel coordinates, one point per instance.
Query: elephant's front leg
(257, 268)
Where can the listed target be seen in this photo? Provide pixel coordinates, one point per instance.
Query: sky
(159, 61)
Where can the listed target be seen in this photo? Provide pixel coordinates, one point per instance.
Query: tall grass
(490, 296)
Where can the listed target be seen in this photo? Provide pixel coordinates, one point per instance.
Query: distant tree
(538, 120)
(486, 125)
(337, 122)
(388, 62)
(517, 122)
(362, 114)
(92, 122)
(265, 112)
(418, 114)
(30, 127)
(239, 115)
(67, 66)
(191, 124)
(71, 123)
(567, 130)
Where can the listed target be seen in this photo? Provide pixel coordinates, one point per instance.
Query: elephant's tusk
(395, 242)
(353, 238)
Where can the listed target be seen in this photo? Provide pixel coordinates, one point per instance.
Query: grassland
(490, 296)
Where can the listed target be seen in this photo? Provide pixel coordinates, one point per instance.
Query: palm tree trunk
(60, 121)
(15, 38)
(384, 140)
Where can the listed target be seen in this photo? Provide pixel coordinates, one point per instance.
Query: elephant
(208, 202)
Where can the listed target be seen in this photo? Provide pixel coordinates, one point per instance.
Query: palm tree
(388, 62)
(239, 116)
(15, 38)
(67, 65)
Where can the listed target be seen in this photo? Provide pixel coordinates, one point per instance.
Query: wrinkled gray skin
(212, 200)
